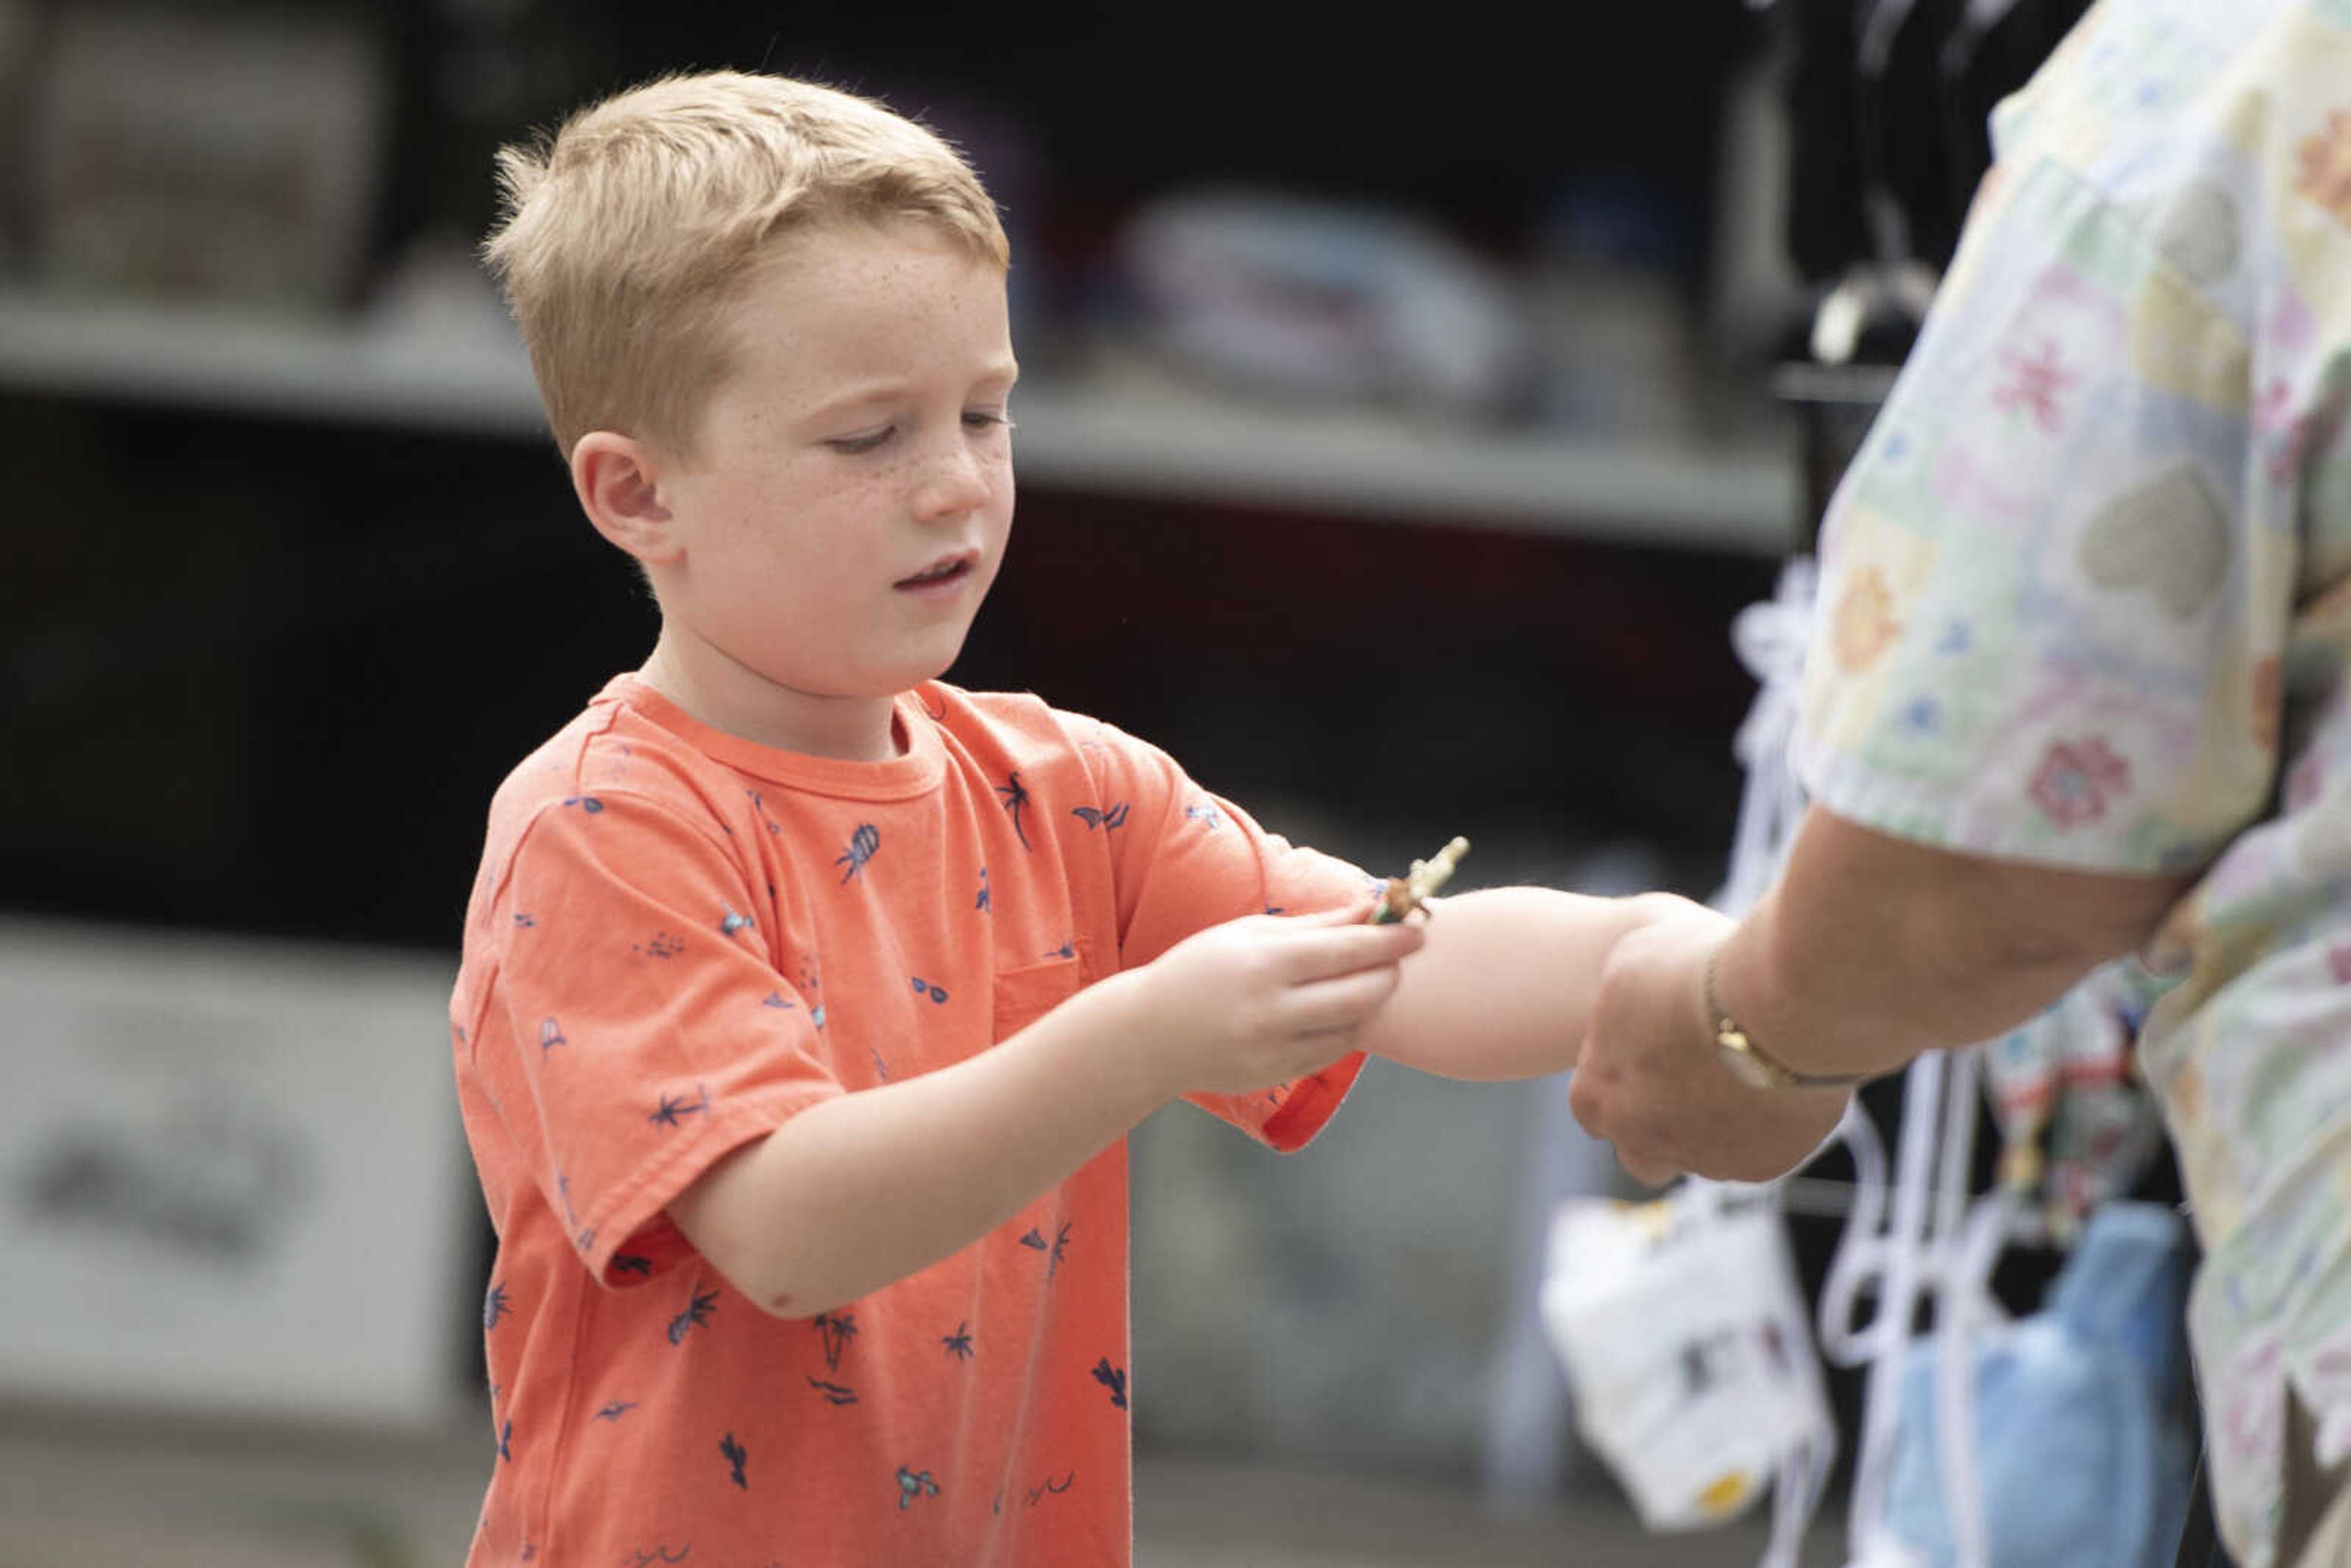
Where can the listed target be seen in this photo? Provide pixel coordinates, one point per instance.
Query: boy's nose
(953, 483)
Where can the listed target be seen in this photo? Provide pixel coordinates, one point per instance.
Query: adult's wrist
(1746, 1058)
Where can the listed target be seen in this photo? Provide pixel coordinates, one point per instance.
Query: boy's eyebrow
(886, 391)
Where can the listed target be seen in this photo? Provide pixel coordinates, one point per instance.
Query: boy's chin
(917, 671)
(868, 680)
(903, 678)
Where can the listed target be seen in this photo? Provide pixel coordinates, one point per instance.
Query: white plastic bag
(1687, 1341)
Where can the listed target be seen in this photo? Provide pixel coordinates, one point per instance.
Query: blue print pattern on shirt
(1016, 798)
(674, 1107)
(699, 1309)
(759, 809)
(834, 1392)
(912, 1484)
(863, 844)
(837, 1330)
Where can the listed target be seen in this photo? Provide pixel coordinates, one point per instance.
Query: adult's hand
(1650, 1080)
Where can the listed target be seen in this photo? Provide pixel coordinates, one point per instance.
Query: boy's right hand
(1267, 998)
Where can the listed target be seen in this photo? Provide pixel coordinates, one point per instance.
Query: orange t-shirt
(680, 939)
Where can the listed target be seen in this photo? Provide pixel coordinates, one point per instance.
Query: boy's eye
(986, 419)
(869, 442)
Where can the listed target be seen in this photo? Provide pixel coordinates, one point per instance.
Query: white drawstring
(1797, 1489)
(1770, 638)
(1906, 1262)
(1860, 1256)
(1935, 1245)
(1951, 1247)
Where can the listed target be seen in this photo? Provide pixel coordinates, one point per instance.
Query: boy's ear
(615, 478)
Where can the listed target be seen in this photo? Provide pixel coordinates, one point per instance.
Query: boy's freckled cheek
(832, 484)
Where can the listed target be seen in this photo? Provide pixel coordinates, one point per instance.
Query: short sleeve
(1183, 859)
(2053, 608)
(635, 1029)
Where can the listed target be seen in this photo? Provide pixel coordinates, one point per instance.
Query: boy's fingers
(1354, 913)
(1340, 950)
(1339, 1003)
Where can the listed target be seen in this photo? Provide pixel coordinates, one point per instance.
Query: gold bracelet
(1748, 1061)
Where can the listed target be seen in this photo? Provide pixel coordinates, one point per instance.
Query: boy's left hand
(1650, 1080)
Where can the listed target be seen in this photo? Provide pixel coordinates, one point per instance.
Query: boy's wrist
(1124, 1036)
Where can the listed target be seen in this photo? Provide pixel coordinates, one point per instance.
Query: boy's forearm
(1505, 987)
(926, 1166)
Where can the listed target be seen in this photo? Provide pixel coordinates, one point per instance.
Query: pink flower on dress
(2338, 963)
(2325, 172)
(2077, 778)
(2034, 383)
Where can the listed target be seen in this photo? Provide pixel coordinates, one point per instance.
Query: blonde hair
(628, 235)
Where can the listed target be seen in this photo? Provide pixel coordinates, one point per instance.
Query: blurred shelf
(452, 381)
(1741, 497)
(1153, 443)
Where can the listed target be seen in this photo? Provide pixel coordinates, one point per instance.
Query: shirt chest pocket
(1028, 993)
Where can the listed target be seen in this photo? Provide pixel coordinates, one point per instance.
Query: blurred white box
(209, 154)
(232, 1177)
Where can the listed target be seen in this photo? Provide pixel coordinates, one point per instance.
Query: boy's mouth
(949, 569)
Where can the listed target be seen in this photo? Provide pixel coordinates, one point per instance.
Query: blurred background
(1408, 407)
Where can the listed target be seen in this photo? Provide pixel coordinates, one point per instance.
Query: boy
(807, 1000)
